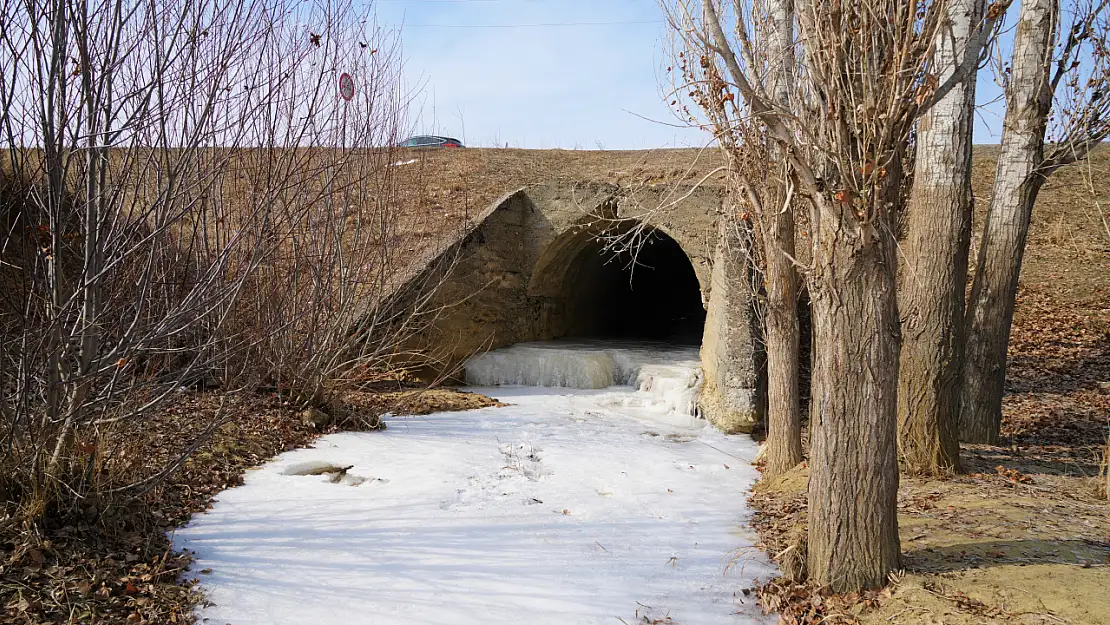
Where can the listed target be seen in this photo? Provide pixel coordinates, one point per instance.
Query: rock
(1104, 387)
(316, 418)
(316, 467)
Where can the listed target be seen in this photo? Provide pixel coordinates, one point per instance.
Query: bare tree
(863, 78)
(760, 178)
(782, 334)
(1049, 78)
(932, 287)
(164, 151)
(110, 114)
(313, 311)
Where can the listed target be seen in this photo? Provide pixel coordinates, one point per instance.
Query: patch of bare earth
(1022, 534)
(112, 562)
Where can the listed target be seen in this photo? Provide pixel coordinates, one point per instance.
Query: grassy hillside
(1069, 248)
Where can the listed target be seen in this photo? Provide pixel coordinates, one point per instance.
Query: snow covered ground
(570, 506)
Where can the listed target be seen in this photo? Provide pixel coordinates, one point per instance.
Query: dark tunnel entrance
(650, 293)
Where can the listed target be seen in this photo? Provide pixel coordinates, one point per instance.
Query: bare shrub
(188, 201)
(309, 311)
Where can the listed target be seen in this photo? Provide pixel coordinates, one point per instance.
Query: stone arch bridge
(592, 260)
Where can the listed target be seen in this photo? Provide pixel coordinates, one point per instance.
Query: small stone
(1104, 387)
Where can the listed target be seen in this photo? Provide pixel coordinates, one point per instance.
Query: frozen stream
(571, 506)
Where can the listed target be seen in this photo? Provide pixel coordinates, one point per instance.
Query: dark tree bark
(853, 487)
(853, 526)
(784, 431)
(1016, 185)
(931, 295)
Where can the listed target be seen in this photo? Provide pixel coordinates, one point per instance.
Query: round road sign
(346, 86)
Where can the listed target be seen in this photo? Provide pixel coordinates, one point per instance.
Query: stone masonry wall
(512, 279)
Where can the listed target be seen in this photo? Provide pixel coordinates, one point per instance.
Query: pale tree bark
(784, 431)
(931, 295)
(1017, 182)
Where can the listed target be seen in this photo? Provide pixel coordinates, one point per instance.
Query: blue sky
(498, 72)
(539, 86)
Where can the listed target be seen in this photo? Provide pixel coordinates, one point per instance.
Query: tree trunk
(1106, 468)
(853, 487)
(784, 429)
(1017, 182)
(931, 298)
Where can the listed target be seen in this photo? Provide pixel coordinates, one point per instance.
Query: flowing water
(595, 497)
(656, 381)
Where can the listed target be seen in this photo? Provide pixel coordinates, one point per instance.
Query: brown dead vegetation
(115, 564)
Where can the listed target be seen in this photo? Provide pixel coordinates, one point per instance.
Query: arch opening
(651, 293)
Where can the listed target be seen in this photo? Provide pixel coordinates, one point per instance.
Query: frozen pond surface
(570, 506)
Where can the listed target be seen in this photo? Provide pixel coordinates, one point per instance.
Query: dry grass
(481, 175)
(997, 546)
(460, 184)
(1068, 255)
